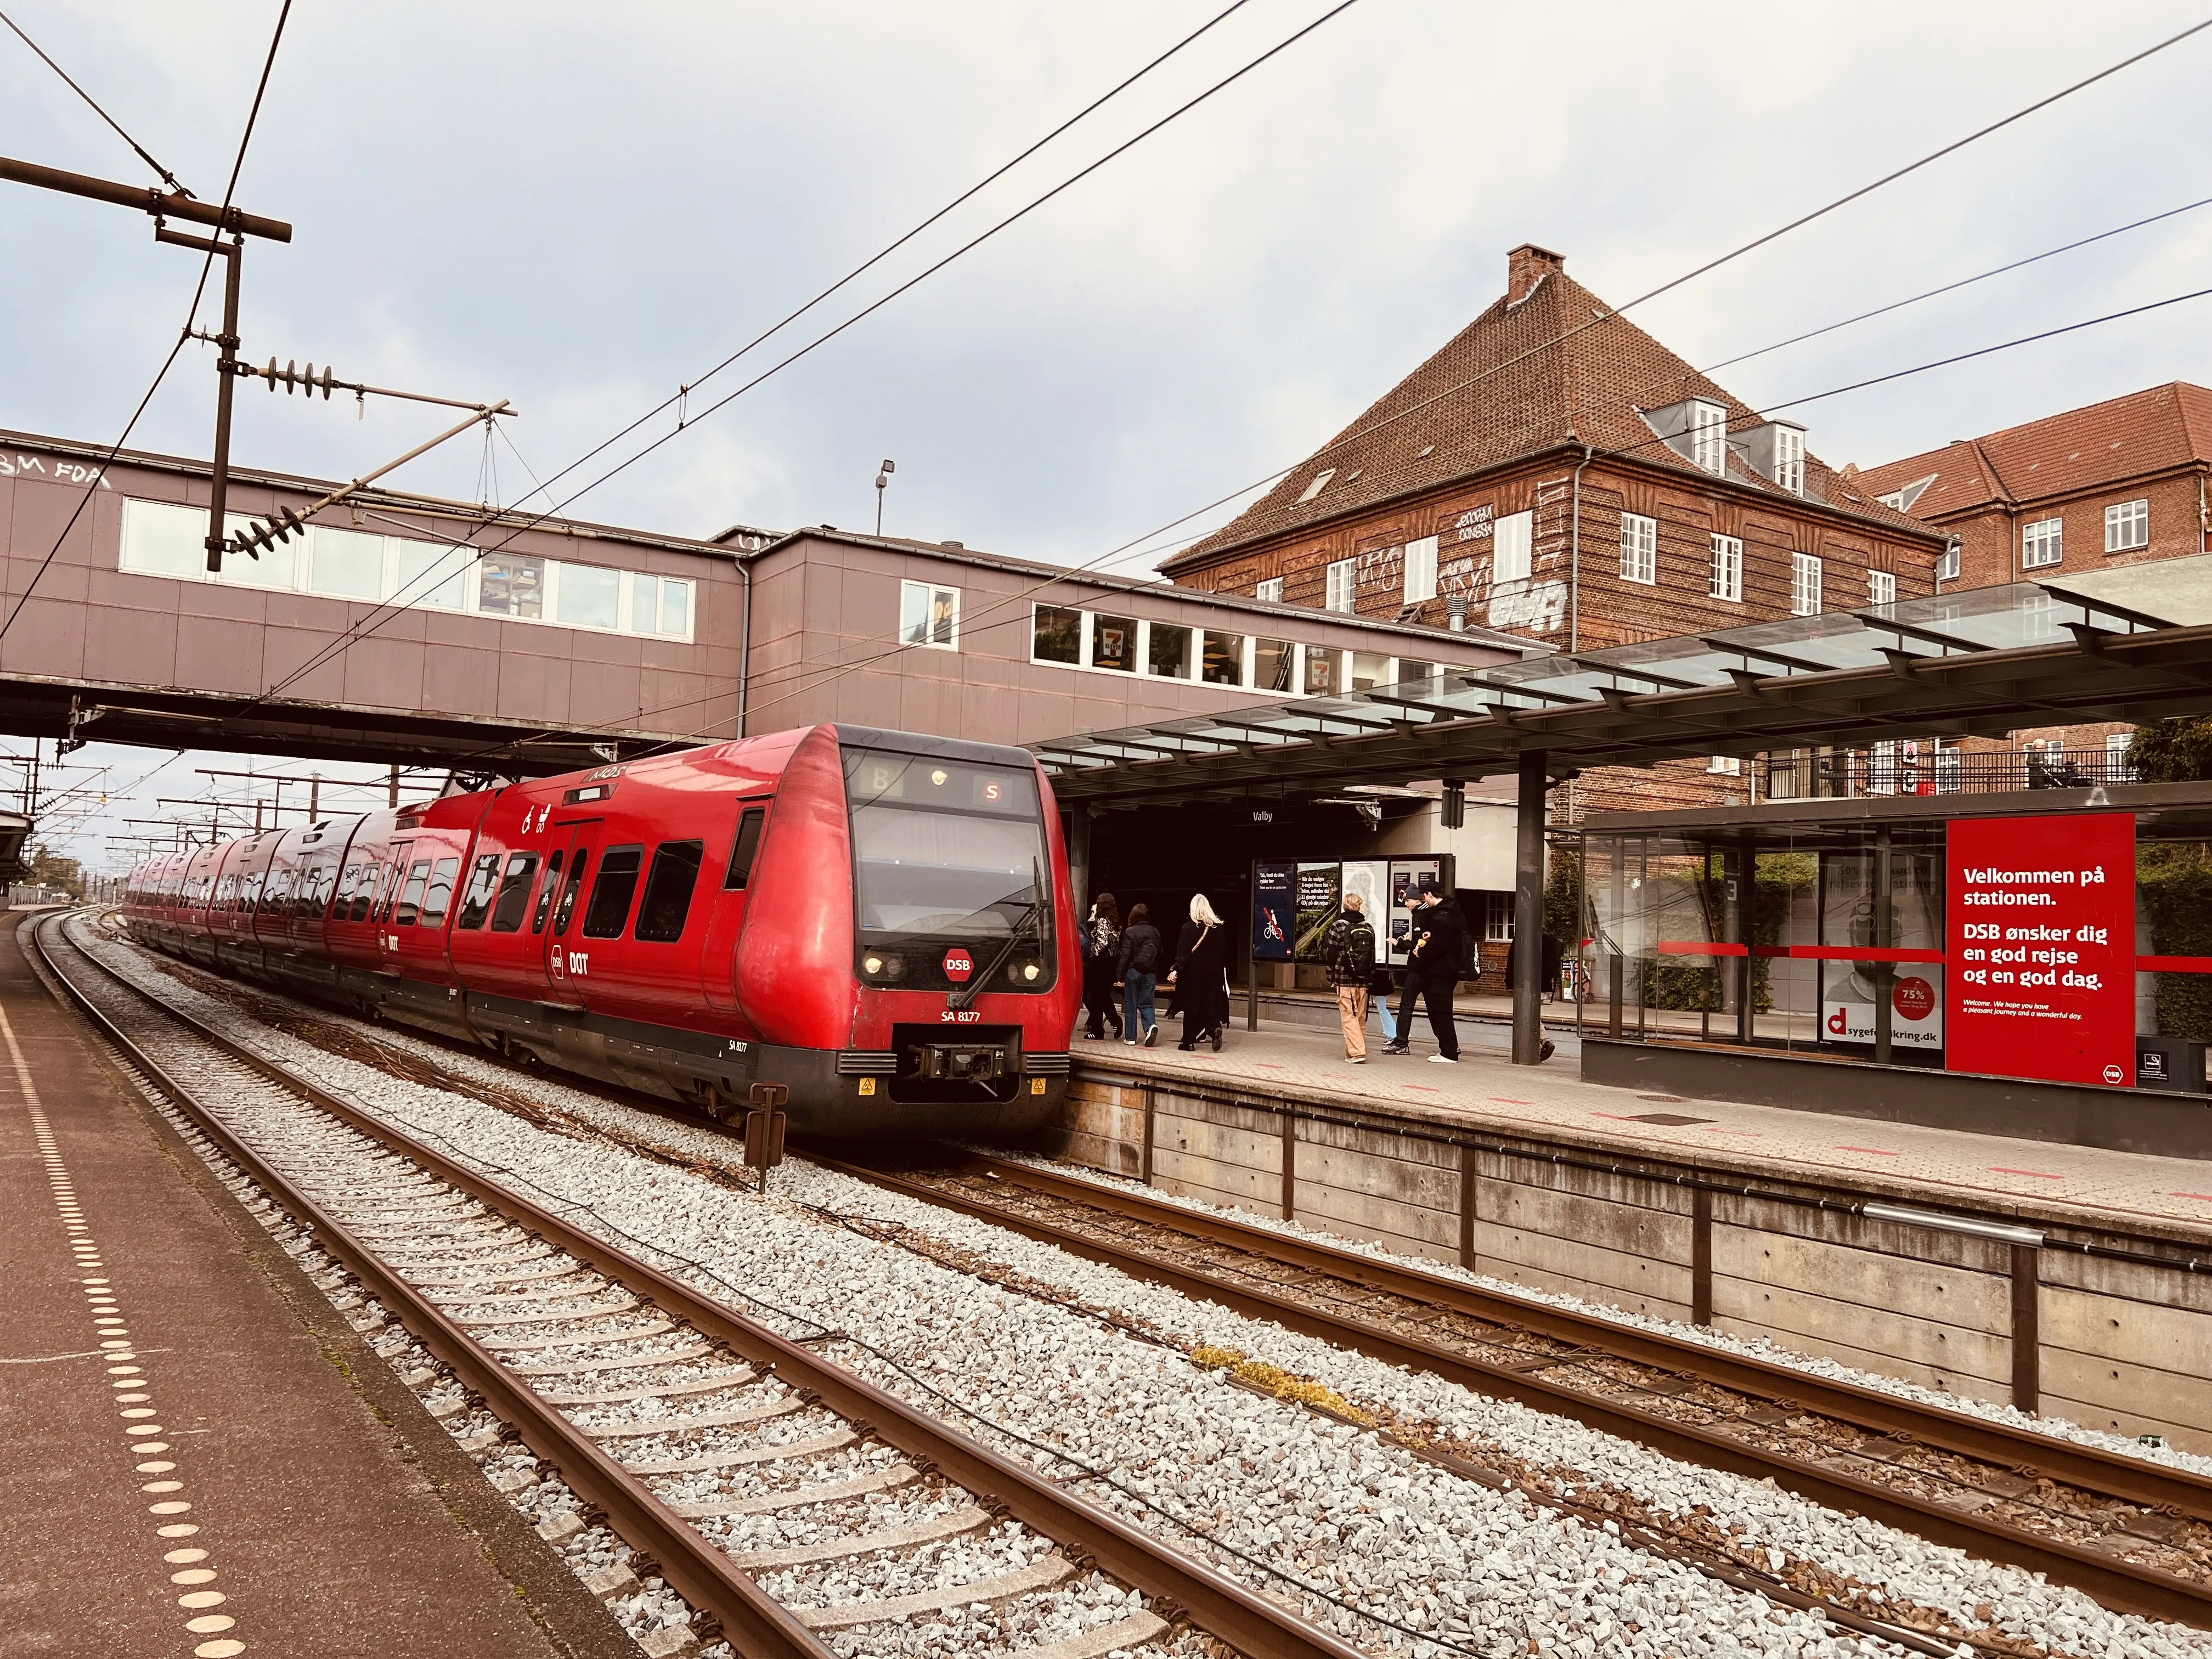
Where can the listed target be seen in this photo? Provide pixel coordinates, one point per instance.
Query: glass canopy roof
(1947, 625)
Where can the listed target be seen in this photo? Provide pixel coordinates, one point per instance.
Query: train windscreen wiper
(1026, 922)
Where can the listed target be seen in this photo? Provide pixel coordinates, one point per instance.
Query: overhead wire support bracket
(292, 379)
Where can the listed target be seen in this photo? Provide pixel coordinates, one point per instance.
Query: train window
(742, 849)
(249, 895)
(568, 893)
(668, 887)
(514, 894)
(475, 904)
(545, 898)
(440, 897)
(273, 894)
(410, 896)
(364, 892)
(604, 918)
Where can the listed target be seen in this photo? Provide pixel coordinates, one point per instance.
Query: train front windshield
(948, 854)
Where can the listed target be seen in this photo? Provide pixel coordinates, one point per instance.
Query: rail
(752, 1622)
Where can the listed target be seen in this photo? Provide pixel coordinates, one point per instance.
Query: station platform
(2036, 1180)
(207, 1460)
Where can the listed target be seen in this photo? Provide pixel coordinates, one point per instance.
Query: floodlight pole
(1528, 953)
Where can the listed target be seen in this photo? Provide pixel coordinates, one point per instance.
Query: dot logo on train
(792, 909)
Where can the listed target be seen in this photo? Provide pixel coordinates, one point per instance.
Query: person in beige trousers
(1348, 951)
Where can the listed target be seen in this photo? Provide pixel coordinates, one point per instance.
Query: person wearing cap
(1348, 951)
(1432, 968)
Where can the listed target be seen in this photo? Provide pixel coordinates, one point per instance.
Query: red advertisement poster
(2040, 915)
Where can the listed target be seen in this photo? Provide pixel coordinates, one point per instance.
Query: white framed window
(2127, 524)
(1804, 585)
(1882, 587)
(1498, 918)
(1789, 459)
(1947, 568)
(2116, 770)
(1726, 578)
(1271, 591)
(1168, 650)
(1639, 549)
(1514, 542)
(1420, 570)
(1709, 438)
(929, 615)
(1343, 578)
(1055, 634)
(1726, 765)
(1319, 483)
(2043, 544)
(163, 539)
(1324, 674)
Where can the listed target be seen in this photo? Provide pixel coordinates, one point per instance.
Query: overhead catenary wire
(1891, 177)
(368, 623)
(377, 615)
(191, 316)
(138, 149)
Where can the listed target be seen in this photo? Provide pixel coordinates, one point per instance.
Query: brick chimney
(1526, 265)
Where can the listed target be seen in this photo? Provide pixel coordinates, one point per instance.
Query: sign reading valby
(2041, 926)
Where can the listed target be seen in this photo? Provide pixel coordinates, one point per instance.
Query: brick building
(1555, 472)
(2067, 498)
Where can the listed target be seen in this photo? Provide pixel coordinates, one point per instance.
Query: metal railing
(1925, 769)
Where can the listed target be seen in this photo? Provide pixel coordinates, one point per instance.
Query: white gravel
(1344, 1510)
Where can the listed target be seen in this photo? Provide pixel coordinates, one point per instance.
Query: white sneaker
(1356, 1060)
(1442, 1059)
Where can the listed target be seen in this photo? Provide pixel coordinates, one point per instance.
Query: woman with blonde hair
(1201, 974)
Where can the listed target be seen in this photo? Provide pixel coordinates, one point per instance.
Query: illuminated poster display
(1851, 990)
(2041, 913)
(1371, 879)
(1317, 891)
(1274, 888)
(1407, 876)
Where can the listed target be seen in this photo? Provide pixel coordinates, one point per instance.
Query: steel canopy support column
(1528, 957)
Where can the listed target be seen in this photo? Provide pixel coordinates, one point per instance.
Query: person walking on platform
(1348, 950)
(1138, 963)
(1101, 957)
(1433, 969)
(1201, 976)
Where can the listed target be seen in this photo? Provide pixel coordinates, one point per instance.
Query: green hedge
(2175, 880)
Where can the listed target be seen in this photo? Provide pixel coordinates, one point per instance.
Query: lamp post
(883, 482)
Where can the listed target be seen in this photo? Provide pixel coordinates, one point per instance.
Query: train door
(562, 895)
(718, 964)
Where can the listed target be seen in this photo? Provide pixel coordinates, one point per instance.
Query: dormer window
(1709, 438)
(1789, 459)
(1319, 483)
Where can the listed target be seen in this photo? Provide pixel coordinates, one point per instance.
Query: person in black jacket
(1348, 950)
(1137, 965)
(1201, 976)
(1102, 959)
(1432, 968)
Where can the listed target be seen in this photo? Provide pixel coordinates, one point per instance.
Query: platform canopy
(1980, 662)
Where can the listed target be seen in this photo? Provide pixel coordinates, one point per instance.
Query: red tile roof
(2103, 444)
(1510, 386)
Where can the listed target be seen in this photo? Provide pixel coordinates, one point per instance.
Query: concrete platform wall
(2123, 1345)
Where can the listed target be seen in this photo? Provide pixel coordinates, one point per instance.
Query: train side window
(568, 893)
(475, 904)
(274, 893)
(668, 888)
(249, 895)
(364, 892)
(545, 897)
(440, 897)
(609, 910)
(410, 896)
(347, 883)
(745, 849)
(513, 893)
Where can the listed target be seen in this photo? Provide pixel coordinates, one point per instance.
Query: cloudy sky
(578, 209)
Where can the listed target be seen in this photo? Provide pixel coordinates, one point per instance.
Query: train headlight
(1027, 970)
(872, 965)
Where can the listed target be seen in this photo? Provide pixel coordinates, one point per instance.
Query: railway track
(678, 1423)
(2135, 1535)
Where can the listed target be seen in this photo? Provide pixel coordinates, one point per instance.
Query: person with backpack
(1136, 965)
(1348, 952)
(1102, 955)
(1433, 969)
(1201, 976)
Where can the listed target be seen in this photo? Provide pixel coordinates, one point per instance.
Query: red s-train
(878, 920)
